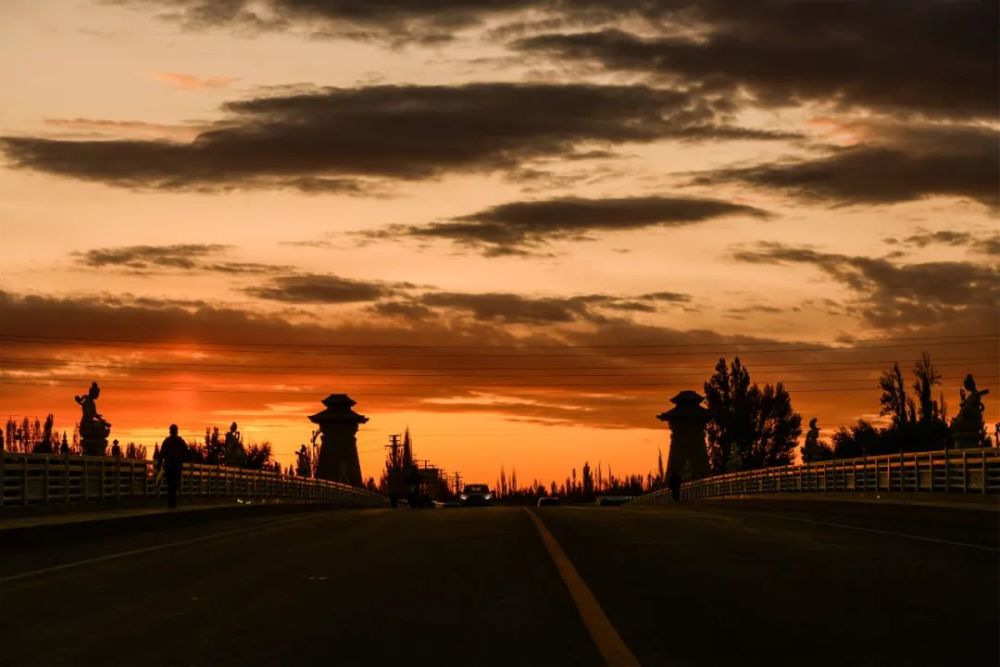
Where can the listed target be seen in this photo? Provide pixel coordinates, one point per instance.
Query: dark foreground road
(706, 584)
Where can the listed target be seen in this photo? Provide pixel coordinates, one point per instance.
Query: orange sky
(517, 231)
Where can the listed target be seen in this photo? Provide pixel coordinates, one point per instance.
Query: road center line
(156, 547)
(609, 643)
(892, 533)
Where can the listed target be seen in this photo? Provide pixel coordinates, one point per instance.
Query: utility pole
(393, 447)
(458, 482)
(314, 454)
(393, 467)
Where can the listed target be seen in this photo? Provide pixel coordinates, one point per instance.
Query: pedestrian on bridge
(173, 454)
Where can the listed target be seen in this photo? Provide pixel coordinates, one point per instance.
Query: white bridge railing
(952, 471)
(49, 479)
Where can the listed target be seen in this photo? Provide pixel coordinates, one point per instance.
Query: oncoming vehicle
(548, 501)
(476, 495)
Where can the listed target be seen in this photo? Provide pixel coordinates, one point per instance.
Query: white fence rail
(47, 479)
(953, 471)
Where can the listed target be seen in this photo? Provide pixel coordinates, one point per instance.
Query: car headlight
(487, 497)
(464, 497)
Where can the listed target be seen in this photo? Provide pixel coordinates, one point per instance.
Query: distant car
(476, 495)
(451, 503)
(612, 501)
(548, 501)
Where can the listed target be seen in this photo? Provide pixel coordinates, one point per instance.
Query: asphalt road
(702, 584)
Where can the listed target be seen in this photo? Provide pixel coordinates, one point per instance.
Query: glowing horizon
(517, 230)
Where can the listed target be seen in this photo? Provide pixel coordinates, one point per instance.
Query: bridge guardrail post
(965, 471)
(947, 471)
(902, 471)
(45, 482)
(930, 472)
(982, 459)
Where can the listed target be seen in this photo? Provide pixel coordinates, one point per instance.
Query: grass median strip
(609, 643)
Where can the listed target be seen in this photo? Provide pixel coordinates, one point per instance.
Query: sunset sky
(517, 227)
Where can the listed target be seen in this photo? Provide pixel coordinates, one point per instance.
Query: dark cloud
(584, 369)
(510, 308)
(182, 256)
(934, 58)
(989, 245)
(943, 237)
(468, 374)
(247, 268)
(899, 296)
(673, 297)
(142, 318)
(517, 227)
(316, 139)
(407, 310)
(143, 257)
(313, 288)
(894, 164)
(397, 21)
(632, 306)
(757, 308)
(132, 300)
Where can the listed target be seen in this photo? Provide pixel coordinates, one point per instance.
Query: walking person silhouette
(173, 454)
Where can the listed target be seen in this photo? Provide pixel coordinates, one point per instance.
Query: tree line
(231, 451)
(917, 422)
(585, 487)
(41, 437)
(753, 427)
(756, 427)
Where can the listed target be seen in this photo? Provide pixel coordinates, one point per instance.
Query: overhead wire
(360, 391)
(512, 351)
(509, 346)
(265, 368)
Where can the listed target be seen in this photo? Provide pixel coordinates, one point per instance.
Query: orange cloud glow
(191, 82)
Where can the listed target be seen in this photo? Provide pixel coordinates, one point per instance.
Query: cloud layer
(337, 138)
(960, 296)
(390, 20)
(519, 227)
(892, 163)
(323, 289)
(930, 58)
(144, 259)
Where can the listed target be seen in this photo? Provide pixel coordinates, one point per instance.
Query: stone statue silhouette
(969, 427)
(235, 454)
(972, 406)
(94, 429)
(813, 433)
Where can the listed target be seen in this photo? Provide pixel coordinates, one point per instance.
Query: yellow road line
(609, 643)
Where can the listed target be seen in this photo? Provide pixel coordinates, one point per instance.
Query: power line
(505, 371)
(480, 381)
(511, 346)
(360, 391)
(513, 351)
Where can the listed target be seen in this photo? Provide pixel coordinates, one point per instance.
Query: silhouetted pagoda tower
(338, 453)
(687, 419)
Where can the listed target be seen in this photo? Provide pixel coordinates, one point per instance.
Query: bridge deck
(704, 584)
